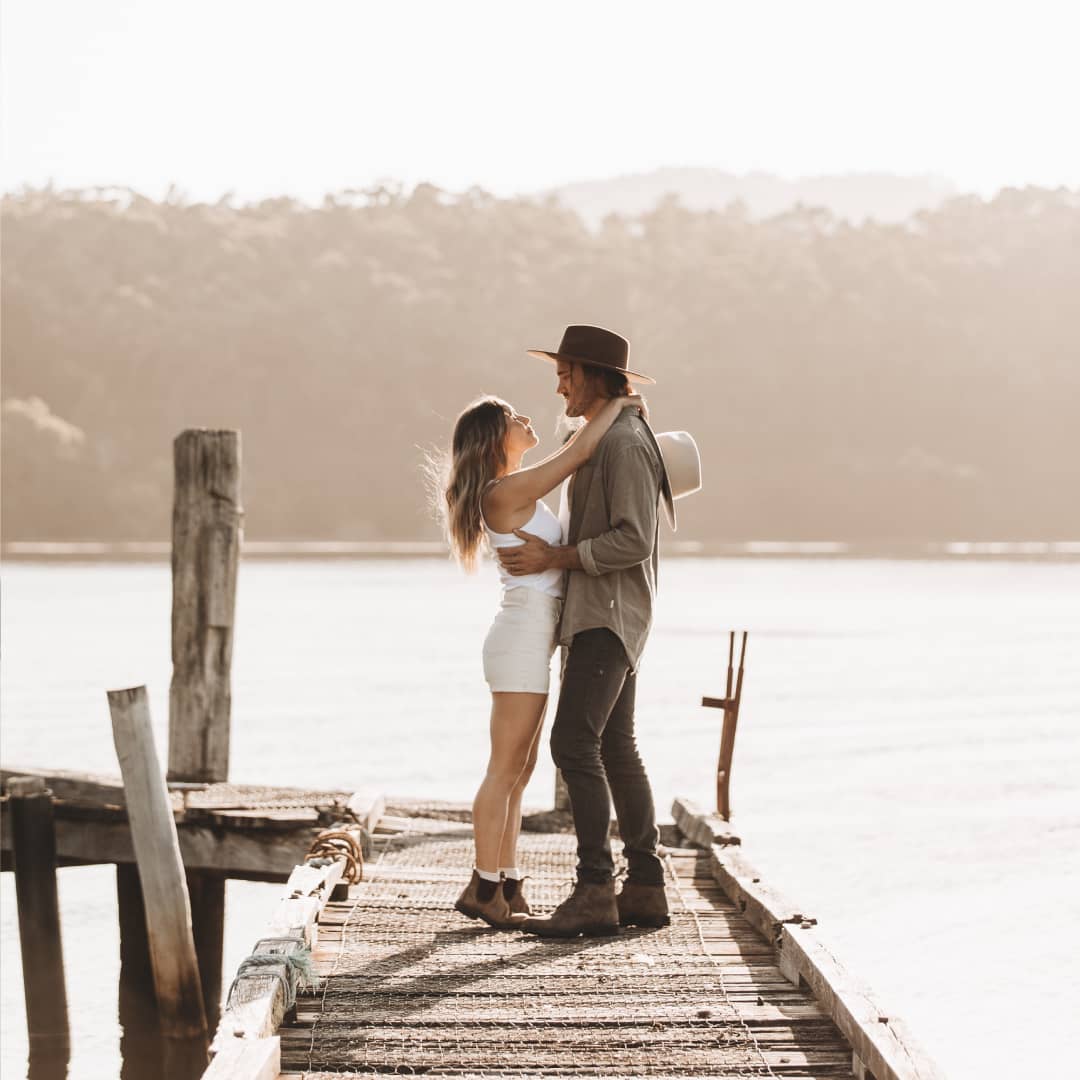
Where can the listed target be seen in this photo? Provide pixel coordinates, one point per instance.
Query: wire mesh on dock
(411, 986)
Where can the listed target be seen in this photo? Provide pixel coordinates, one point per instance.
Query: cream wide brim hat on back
(681, 460)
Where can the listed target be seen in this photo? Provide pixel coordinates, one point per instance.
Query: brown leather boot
(495, 911)
(590, 909)
(515, 896)
(642, 905)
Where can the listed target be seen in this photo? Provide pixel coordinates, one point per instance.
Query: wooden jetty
(739, 985)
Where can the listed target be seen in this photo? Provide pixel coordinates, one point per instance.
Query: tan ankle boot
(515, 896)
(642, 905)
(495, 912)
(590, 909)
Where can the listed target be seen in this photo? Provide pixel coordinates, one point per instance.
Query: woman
(488, 495)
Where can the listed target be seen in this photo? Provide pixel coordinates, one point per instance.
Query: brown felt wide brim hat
(595, 347)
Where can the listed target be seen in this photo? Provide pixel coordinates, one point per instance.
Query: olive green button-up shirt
(613, 503)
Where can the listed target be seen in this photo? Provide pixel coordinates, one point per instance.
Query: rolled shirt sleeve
(632, 486)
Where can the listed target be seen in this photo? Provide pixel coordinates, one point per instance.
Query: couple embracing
(584, 579)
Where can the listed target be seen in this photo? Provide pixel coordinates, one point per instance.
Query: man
(611, 559)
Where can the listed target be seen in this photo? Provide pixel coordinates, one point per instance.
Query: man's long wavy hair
(477, 456)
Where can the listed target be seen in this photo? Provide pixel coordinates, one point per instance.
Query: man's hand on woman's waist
(537, 555)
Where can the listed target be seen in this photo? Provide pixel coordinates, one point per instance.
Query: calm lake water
(907, 767)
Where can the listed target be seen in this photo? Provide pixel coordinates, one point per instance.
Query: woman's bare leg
(515, 722)
(508, 847)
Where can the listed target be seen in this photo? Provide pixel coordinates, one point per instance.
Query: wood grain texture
(880, 1043)
(247, 1059)
(206, 535)
(701, 829)
(246, 855)
(161, 870)
(257, 1003)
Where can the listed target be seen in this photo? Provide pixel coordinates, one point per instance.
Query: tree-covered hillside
(873, 383)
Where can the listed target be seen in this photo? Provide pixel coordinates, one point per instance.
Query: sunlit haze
(273, 98)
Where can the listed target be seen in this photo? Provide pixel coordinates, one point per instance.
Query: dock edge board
(245, 1046)
(882, 1045)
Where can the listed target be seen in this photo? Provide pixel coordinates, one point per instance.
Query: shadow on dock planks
(738, 985)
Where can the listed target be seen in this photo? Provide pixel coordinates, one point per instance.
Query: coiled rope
(333, 844)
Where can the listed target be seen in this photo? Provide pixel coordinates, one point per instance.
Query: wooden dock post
(205, 553)
(206, 536)
(161, 871)
(140, 1036)
(206, 893)
(34, 844)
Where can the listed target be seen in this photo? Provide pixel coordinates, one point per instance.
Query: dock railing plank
(881, 1043)
(367, 809)
(701, 828)
(247, 1059)
(257, 1000)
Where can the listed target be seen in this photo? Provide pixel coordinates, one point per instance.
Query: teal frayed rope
(291, 969)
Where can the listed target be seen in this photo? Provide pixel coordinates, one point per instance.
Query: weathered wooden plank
(879, 1041)
(310, 880)
(367, 809)
(251, 855)
(257, 1002)
(206, 530)
(764, 908)
(97, 789)
(283, 818)
(296, 915)
(161, 869)
(247, 1059)
(700, 828)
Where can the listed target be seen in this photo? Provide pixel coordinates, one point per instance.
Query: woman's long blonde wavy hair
(477, 456)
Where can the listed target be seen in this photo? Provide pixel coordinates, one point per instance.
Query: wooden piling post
(207, 896)
(34, 847)
(205, 554)
(207, 519)
(161, 871)
(140, 1038)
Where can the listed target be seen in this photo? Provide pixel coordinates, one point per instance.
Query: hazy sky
(266, 97)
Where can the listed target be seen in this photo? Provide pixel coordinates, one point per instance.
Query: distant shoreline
(159, 550)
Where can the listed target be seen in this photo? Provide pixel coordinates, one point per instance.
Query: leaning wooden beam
(881, 1044)
(161, 871)
(259, 997)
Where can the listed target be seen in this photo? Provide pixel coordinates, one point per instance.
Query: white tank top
(544, 524)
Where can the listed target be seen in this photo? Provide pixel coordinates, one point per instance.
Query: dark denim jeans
(592, 742)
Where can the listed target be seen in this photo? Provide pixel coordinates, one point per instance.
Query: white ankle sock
(511, 872)
(486, 875)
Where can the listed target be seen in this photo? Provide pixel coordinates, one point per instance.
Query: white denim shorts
(519, 646)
